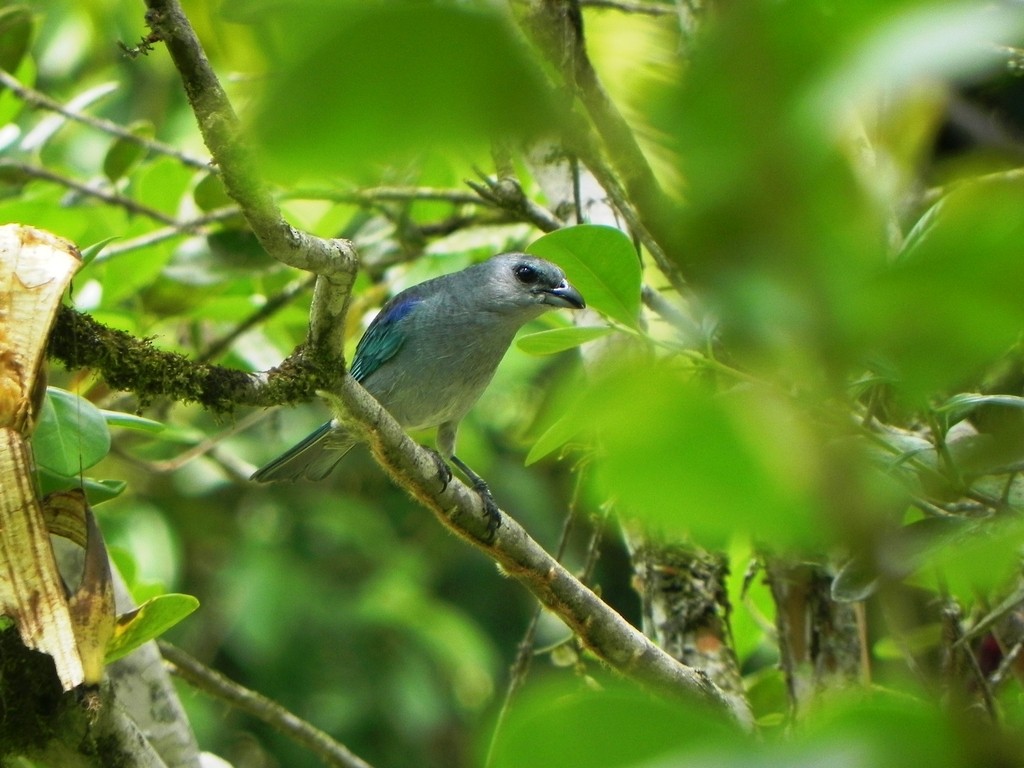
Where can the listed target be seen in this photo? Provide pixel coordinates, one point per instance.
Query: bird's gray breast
(441, 369)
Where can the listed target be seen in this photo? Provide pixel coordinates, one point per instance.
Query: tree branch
(111, 198)
(556, 29)
(135, 365)
(334, 260)
(41, 101)
(270, 712)
(601, 629)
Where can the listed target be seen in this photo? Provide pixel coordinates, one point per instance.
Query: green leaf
(918, 42)
(560, 339)
(558, 724)
(913, 642)
(960, 281)
(979, 562)
(602, 263)
(565, 428)
(415, 80)
(131, 421)
(958, 407)
(149, 620)
(124, 154)
(90, 252)
(71, 434)
(10, 105)
(161, 184)
(746, 462)
(15, 35)
(210, 194)
(97, 491)
(46, 128)
(856, 581)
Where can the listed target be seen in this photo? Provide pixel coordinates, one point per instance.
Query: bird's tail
(311, 459)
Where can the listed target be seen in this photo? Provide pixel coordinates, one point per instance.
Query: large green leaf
(365, 83)
(148, 621)
(952, 304)
(602, 263)
(571, 726)
(745, 462)
(560, 339)
(71, 434)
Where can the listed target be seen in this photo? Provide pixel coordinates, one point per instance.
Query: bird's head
(521, 281)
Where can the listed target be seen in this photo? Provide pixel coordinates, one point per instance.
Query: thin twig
(1006, 665)
(371, 195)
(649, 9)
(196, 226)
(200, 449)
(111, 198)
(259, 706)
(41, 101)
(507, 193)
(271, 307)
(953, 627)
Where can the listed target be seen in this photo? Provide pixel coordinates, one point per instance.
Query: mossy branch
(136, 365)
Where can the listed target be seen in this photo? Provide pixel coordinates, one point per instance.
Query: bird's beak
(563, 295)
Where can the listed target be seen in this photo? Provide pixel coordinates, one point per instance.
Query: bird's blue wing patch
(384, 336)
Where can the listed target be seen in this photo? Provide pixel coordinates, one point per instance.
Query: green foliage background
(795, 140)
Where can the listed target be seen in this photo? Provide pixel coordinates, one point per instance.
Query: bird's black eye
(526, 274)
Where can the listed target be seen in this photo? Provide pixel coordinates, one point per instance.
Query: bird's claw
(444, 472)
(491, 510)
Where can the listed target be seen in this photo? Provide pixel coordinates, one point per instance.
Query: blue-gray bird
(429, 354)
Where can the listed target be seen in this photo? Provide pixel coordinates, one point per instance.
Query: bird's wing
(385, 336)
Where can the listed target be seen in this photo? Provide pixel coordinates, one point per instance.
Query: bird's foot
(491, 511)
(444, 472)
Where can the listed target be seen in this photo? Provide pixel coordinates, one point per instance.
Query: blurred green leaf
(980, 563)
(569, 726)
(131, 421)
(71, 434)
(210, 194)
(560, 339)
(161, 184)
(378, 82)
(917, 641)
(921, 40)
(147, 622)
(960, 406)
(125, 155)
(602, 263)
(882, 730)
(855, 581)
(950, 305)
(685, 459)
(564, 429)
(15, 34)
(10, 105)
(123, 278)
